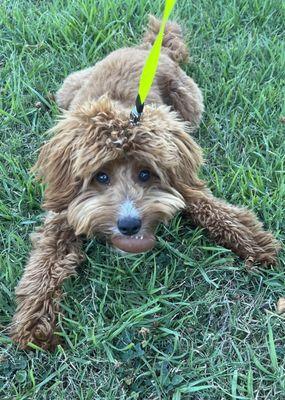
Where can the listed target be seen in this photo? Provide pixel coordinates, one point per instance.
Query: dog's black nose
(129, 225)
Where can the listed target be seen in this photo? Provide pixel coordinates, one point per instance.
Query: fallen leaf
(280, 307)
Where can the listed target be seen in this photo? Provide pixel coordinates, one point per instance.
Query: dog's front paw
(264, 250)
(38, 331)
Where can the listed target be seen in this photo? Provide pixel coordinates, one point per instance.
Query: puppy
(108, 177)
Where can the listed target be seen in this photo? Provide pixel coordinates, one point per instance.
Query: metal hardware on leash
(136, 111)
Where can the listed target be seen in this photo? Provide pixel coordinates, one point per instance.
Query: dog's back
(118, 75)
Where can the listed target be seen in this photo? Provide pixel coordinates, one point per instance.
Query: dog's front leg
(55, 255)
(235, 228)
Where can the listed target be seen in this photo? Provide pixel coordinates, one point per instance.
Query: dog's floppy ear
(189, 161)
(54, 166)
(182, 156)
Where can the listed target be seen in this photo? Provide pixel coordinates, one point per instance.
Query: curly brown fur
(235, 228)
(93, 139)
(54, 258)
(172, 43)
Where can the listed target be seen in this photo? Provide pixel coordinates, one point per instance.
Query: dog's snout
(129, 225)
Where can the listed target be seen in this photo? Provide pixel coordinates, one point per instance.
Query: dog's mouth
(134, 244)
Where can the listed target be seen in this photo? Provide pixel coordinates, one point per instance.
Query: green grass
(186, 321)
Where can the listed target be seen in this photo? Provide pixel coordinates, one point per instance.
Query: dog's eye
(102, 177)
(144, 175)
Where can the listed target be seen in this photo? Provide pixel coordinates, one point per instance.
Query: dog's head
(115, 179)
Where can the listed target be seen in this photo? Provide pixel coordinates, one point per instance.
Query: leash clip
(136, 112)
(135, 116)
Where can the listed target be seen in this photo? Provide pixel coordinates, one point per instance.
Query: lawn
(187, 320)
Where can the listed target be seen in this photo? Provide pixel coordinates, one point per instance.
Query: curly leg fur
(235, 228)
(182, 93)
(54, 258)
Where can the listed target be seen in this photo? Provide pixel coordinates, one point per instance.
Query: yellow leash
(150, 66)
